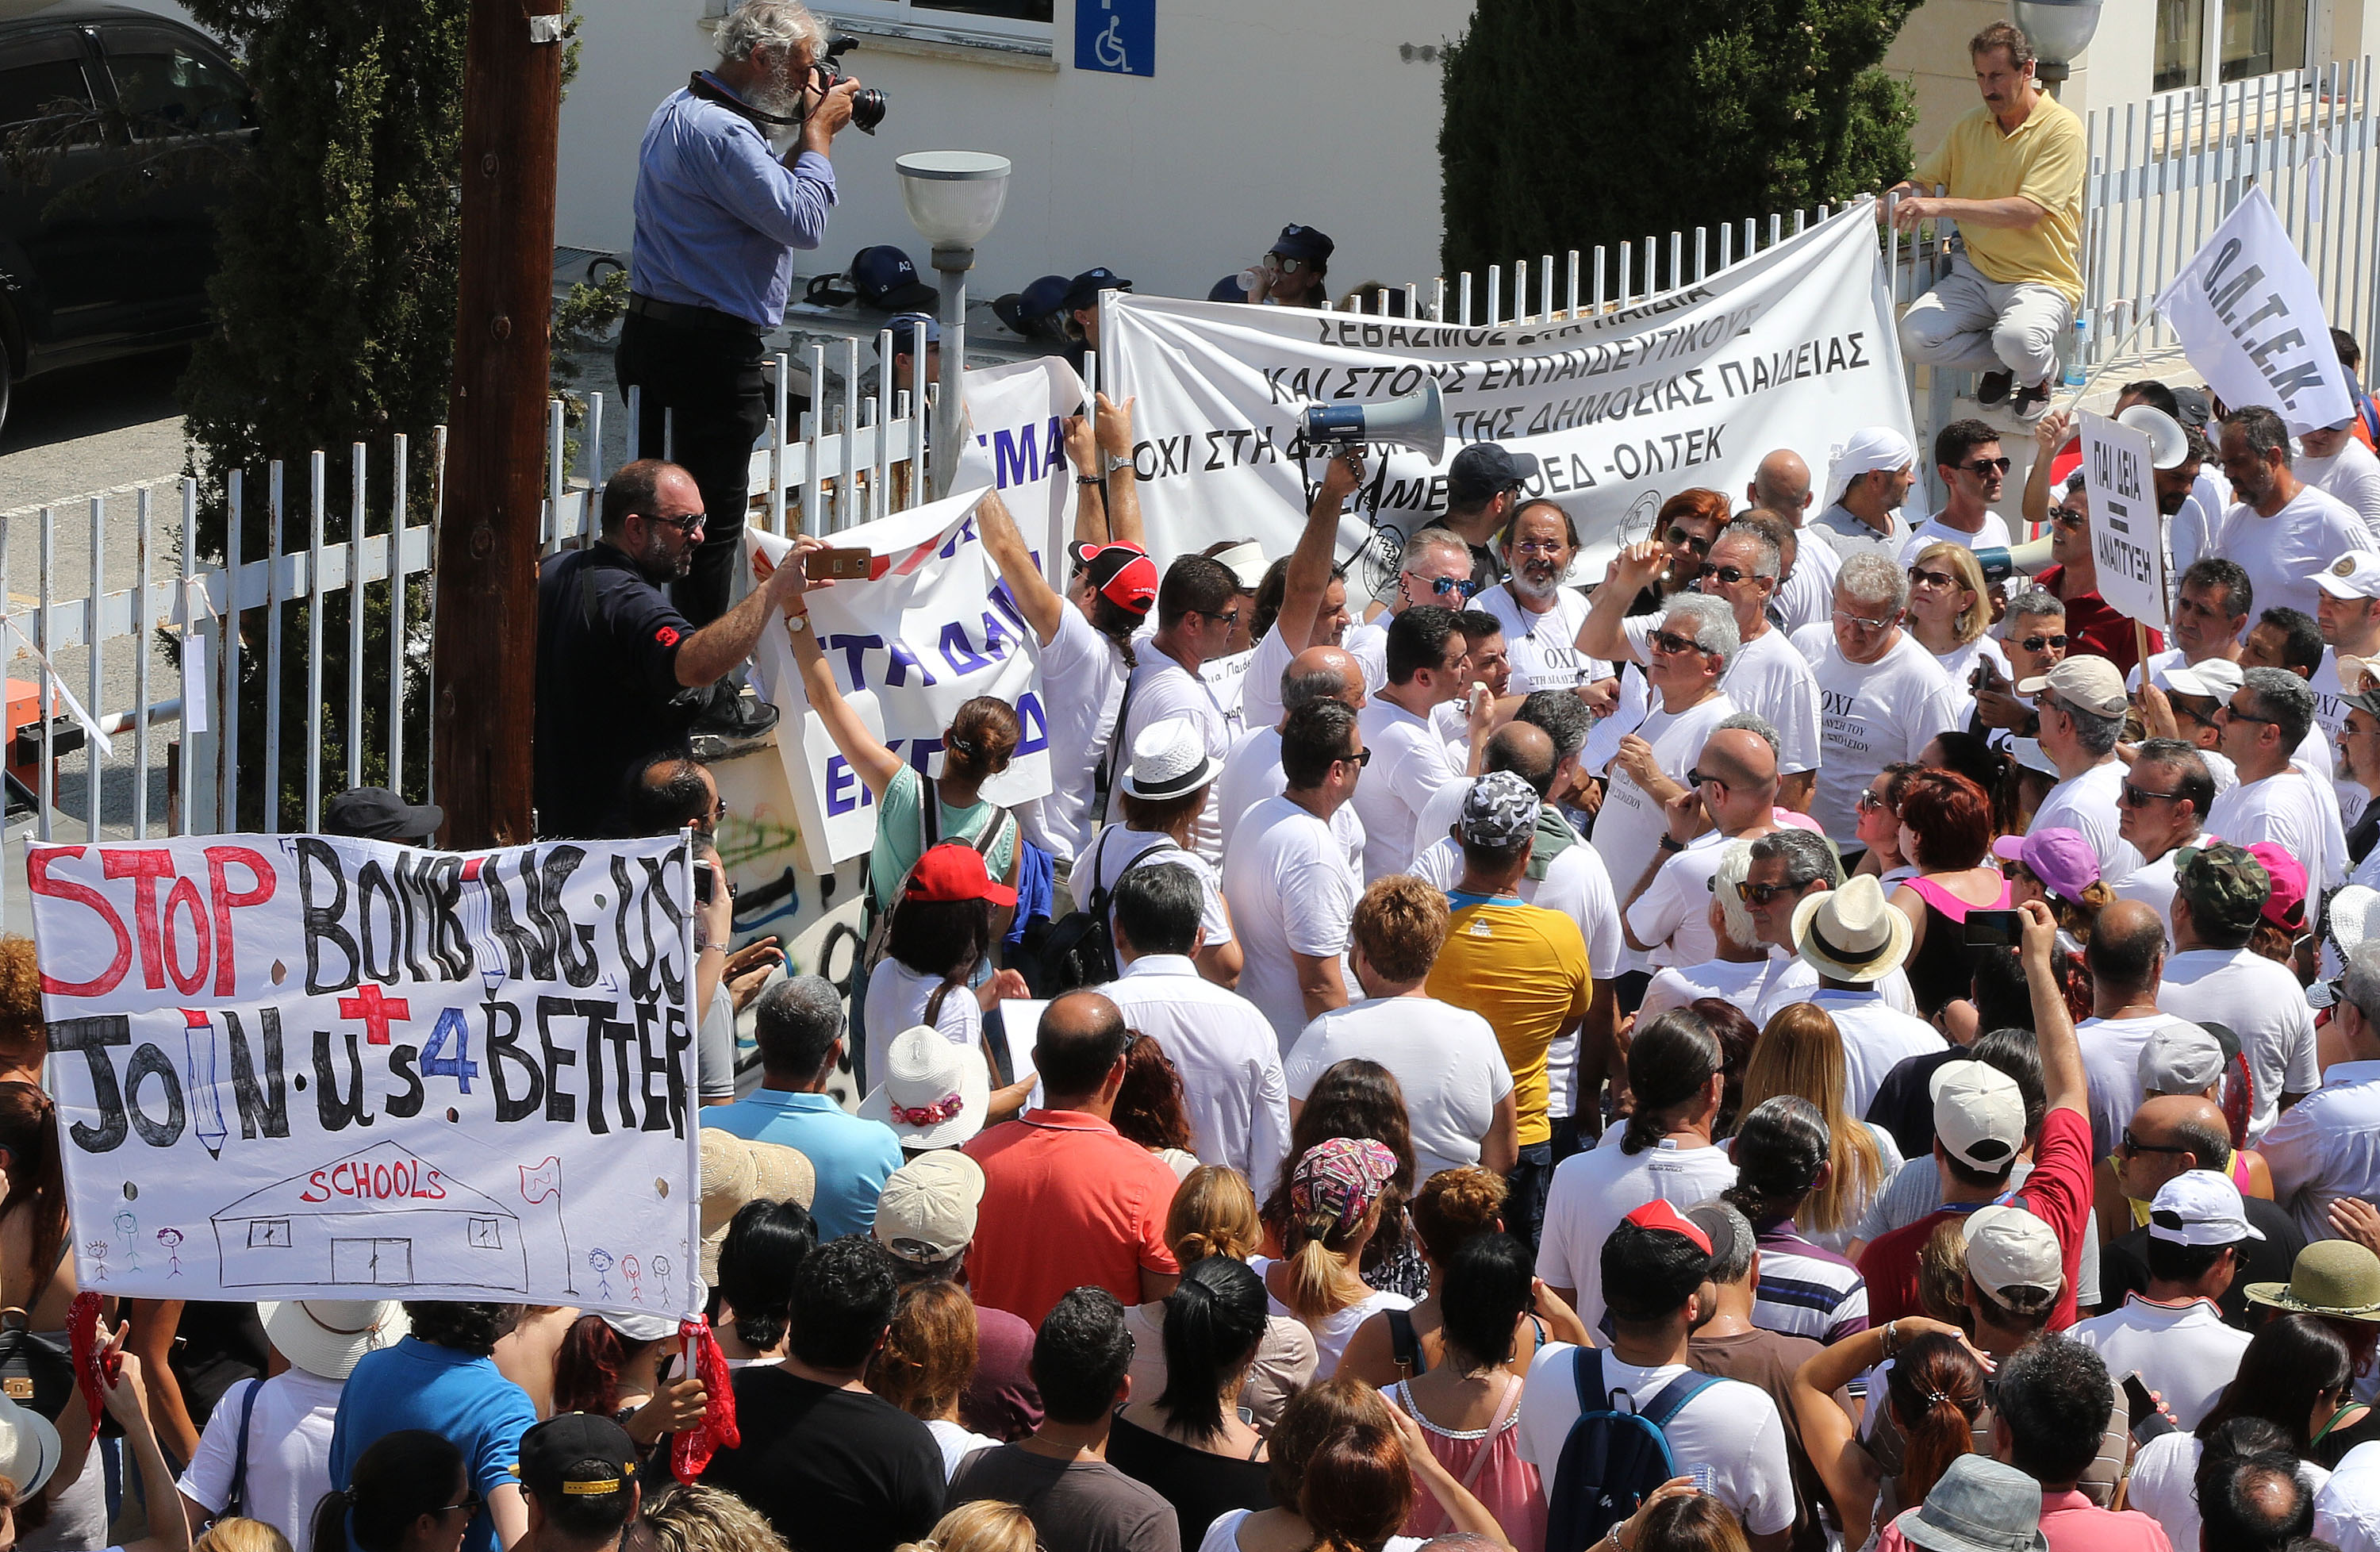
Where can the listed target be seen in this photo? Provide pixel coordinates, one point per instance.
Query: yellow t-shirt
(1524, 969)
(2043, 161)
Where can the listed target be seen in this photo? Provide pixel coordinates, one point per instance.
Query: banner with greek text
(2128, 537)
(2251, 320)
(1794, 347)
(310, 1067)
(1017, 444)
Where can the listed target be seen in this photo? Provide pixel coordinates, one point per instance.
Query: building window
(268, 1233)
(487, 1233)
(1018, 17)
(2180, 43)
(2262, 36)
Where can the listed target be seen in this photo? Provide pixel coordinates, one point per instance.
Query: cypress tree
(1576, 123)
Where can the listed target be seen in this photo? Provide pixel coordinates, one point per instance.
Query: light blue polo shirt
(459, 1395)
(853, 1157)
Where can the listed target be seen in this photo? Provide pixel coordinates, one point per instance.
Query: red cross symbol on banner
(377, 1011)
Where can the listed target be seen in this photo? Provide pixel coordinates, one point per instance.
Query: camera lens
(867, 109)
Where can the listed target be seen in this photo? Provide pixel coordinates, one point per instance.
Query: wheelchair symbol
(1110, 47)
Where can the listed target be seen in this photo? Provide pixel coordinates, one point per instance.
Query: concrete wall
(1260, 113)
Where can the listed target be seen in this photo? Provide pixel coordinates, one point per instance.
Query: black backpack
(1079, 949)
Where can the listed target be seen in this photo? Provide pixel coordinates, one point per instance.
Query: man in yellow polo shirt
(1521, 967)
(2014, 171)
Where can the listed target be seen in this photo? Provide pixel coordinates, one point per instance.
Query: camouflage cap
(2225, 886)
(1500, 811)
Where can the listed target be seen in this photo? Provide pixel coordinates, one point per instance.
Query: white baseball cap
(2007, 1247)
(2199, 1208)
(926, 1211)
(2355, 575)
(2214, 678)
(1978, 1113)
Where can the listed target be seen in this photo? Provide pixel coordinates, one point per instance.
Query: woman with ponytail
(1347, 1470)
(1676, 1069)
(1358, 1097)
(1469, 1406)
(1784, 1156)
(409, 1494)
(1334, 1195)
(765, 1246)
(610, 1364)
(1214, 1214)
(1934, 1388)
(1188, 1442)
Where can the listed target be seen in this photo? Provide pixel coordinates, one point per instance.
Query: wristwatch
(798, 621)
(1672, 843)
(1116, 461)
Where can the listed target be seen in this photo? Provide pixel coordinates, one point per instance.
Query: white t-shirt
(1224, 1049)
(1808, 597)
(1628, 829)
(2087, 802)
(1223, 1535)
(1161, 690)
(1673, 914)
(1676, 985)
(2260, 1000)
(2351, 474)
(1333, 1331)
(896, 1001)
(1082, 684)
(1543, 649)
(1869, 715)
(1291, 889)
(2329, 719)
(1409, 764)
(1579, 886)
(2282, 554)
(1791, 979)
(1369, 644)
(1593, 1191)
(1445, 1058)
(2152, 883)
(1253, 773)
(2183, 1352)
(956, 1443)
(1729, 1438)
(1769, 678)
(1260, 685)
(1959, 667)
(1993, 534)
(2111, 1064)
(1117, 847)
(1877, 1037)
(2194, 528)
(2163, 1485)
(2291, 810)
(288, 1450)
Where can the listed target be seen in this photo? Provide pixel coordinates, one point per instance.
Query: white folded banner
(2251, 320)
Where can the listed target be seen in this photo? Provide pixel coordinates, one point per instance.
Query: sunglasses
(1459, 586)
(1984, 468)
(1670, 641)
(686, 524)
(2040, 643)
(471, 1501)
(1761, 895)
(2133, 1145)
(1227, 619)
(1871, 801)
(1680, 537)
(1697, 778)
(1728, 574)
(1360, 758)
(2137, 798)
(2067, 517)
(1856, 622)
(1531, 547)
(1285, 265)
(1931, 578)
(2239, 716)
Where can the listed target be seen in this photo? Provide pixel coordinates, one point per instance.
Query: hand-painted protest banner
(1792, 348)
(1017, 445)
(2128, 536)
(298, 1066)
(931, 629)
(2251, 320)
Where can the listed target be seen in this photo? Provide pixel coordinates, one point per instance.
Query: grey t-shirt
(1080, 1506)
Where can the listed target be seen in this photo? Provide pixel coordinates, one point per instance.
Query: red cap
(2285, 907)
(953, 871)
(1123, 573)
(1658, 1214)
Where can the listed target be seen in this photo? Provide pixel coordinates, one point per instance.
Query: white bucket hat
(325, 1337)
(29, 1448)
(1852, 934)
(935, 1091)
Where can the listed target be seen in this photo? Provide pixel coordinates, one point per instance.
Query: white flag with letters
(2250, 320)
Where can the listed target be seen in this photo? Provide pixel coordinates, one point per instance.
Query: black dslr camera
(868, 105)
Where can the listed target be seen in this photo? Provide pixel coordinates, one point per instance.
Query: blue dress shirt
(853, 1157)
(718, 215)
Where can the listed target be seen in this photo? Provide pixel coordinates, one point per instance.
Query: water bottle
(2078, 348)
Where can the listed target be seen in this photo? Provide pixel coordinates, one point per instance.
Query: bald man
(1252, 770)
(1667, 910)
(2126, 960)
(1782, 485)
(2170, 1133)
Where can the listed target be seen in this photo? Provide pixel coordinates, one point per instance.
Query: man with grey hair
(2326, 1146)
(2280, 530)
(1764, 674)
(1739, 961)
(2259, 727)
(2034, 638)
(798, 1022)
(1881, 696)
(1687, 657)
(1731, 795)
(2082, 704)
(1434, 568)
(1786, 867)
(719, 215)
(1252, 770)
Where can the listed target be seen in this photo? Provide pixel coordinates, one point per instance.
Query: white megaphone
(1999, 562)
(1416, 420)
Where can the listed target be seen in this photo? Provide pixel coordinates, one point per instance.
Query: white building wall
(1261, 112)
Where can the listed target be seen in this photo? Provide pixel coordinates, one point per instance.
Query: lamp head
(953, 197)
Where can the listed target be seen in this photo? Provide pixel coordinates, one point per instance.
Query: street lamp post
(954, 199)
(2058, 31)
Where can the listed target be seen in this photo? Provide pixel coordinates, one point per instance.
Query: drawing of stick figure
(660, 1275)
(129, 1227)
(171, 1239)
(601, 1259)
(628, 1266)
(97, 1249)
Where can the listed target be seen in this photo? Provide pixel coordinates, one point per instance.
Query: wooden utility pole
(484, 660)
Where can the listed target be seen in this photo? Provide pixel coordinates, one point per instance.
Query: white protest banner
(1015, 416)
(2251, 320)
(2127, 531)
(1792, 348)
(931, 629)
(309, 1067)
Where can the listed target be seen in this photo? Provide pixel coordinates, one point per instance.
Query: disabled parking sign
(1117, 36)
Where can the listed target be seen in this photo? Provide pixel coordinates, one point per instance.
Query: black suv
(106, 228)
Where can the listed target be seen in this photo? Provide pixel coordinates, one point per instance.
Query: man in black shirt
(621, 674)
(2168, 1134)
(832, 1466)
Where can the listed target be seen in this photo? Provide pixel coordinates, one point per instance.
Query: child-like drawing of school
(359, 1219)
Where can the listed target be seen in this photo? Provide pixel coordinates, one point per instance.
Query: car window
(167, 87)
(42, 79)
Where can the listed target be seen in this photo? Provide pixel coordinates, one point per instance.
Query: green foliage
(1572, 123)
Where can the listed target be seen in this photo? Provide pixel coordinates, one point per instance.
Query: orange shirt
(1067, 1203)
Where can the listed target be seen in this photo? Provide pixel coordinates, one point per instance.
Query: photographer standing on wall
(718, 217)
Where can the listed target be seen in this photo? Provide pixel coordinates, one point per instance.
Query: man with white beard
(1540, 616)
